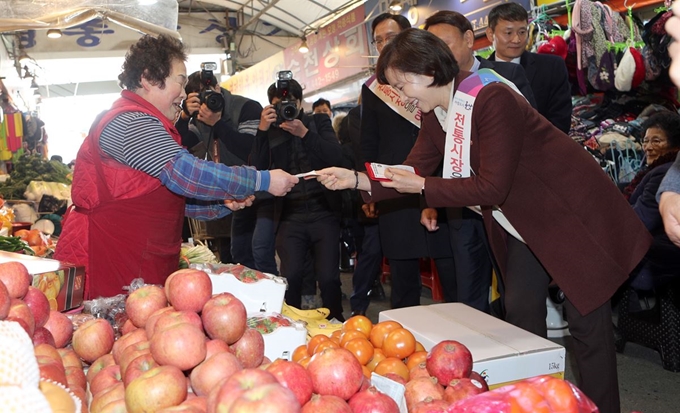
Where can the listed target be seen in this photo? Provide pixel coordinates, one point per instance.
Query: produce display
(33, 168)
(183, 349)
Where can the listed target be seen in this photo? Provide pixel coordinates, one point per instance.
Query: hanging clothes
(14, 130)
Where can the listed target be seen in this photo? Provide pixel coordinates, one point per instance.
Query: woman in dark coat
(565, 220)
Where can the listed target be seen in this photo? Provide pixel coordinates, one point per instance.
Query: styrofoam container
(280, 343)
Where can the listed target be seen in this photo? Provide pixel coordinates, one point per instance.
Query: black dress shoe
(377, 292)
(358, 312)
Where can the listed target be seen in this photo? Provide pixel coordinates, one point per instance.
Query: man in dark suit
(466, 229)
(547, 74)
(387, 137)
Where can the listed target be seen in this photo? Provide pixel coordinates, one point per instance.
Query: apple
(160, 387)
(98, 365)
(106, 396)
(40, 307)
(128, 327)
(116, 406)
(16, 278)
(153, 318)
(172, 318)
(182, 408)
(42, 335)
(188, 289)
(294, 377)
(225, 392)
(268, 398)
(326, 404)
(51, 369)
(224, 317)
(61, 328)
(335, 371)
(181, 345)
(69, 358)
(4, 301)
(81, 394)
(200, 402)
(75, 377)
(108, 377)
(212, 370)
(132, 352)
(19, 310)
(47, 350)
(249, 349)
(143, 302)
(93, 339)
(126, 340)
(215, 346)
(137, 367)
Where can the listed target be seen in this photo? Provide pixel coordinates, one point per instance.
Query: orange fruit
(399, 343)
(324, 345)
(378, 356)
(350, 335)
(415, 359)
(304, 361)
(299, 353)
(381, 330)
(315, 341)
(335, 336)
(366, 371)
(358, 322)
(361, 348)
(419, 347)
(392, 365)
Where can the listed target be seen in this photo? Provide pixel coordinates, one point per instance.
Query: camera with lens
(213, 100)
(286, 108)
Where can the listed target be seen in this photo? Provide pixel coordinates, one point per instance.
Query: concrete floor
(643, 383)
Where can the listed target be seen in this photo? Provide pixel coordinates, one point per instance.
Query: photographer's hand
(207, 116)
(295, 128)
(192, 104)
(267, 117)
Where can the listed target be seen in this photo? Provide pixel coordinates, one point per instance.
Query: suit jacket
(567, 210)
(387, 138)
(549, 81)
(512, 72)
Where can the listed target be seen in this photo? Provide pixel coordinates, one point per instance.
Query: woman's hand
(236, 204)
(335, 178)
(403, 181)
(428, 217)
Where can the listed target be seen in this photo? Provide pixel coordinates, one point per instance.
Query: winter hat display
(630, 72)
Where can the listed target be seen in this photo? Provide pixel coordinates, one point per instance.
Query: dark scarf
(669, 157)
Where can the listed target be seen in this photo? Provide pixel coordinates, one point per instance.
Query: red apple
(326, 404)
(51, 369)
(126, 340)
(47, 350)
(335, 371)
(225, 392)
(188, 289)
(98, 365)
(128, 327)
(116, 406)
(449, 360)
(18, 310)
(215, 346)
(211, 371)
(153, 318)
(42, 335)
(420, 389)
(40, 307)
(61, 328)
(294, 377)
(371, 400)
(200, 402)
(93, 339)
(461, 389)
(4, 301)
(108, 377)
(249, 349)
(224, 317)
(75, 377)
(182, 408)
(106, 396)
(181, 345)
(143, 302)
(160, 387)
(81, 394)
(131, 352)
(16, 278)
(137, 367)
(268, 398)
(69, 358)
(172, 318)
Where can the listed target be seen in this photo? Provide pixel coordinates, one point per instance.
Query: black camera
(213, 100)
(286, 108)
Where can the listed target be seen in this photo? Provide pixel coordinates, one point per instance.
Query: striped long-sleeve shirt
(141, 142)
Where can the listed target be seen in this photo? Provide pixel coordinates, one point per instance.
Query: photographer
(309, 218)
(219, 126)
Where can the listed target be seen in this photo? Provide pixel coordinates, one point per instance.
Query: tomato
(378, 356)
(360, 323)
(392, 365)
(299, 353)
(399, 343)
(380, 331)
(415, 359)
(324, 345)
(315, 341)
(350, 335)
(361, 348)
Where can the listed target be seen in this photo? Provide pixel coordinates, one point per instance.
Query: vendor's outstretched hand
(403, 181)
(235, 204)
(281, 182)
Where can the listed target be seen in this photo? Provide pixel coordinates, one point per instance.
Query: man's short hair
(321, 102)
(401, 21)
(452, 18)
(294, 90)
(151, 57)
(511, 12)
(194, 83)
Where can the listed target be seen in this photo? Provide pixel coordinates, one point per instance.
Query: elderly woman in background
(662, 262)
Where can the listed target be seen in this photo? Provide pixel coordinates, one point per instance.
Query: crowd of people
(499, 184)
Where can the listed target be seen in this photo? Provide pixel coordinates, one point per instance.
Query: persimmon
(304, 361)
(392, 365)
(335, 336)
(415, 359)
(360, 323)
(378, 356)
(315, 341)
(399, 343)
(22, 233)
(361, 348)
(366, 371)
(324, 345)
(299, 353)
(35, 238)
(351, 335)
(419, 346)
(380, 331)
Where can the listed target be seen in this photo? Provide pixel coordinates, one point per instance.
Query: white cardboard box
(501, 352)
(265, 295)
(280, 343)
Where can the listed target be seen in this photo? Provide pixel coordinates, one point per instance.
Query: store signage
(477, 11)
(254, 81)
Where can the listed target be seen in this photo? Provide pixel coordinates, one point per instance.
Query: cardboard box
(280, 343)
(265, 295)
(64, 288)
(501, 352)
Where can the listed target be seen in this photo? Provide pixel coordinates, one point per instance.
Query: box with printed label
(501, 352)
(281, 334)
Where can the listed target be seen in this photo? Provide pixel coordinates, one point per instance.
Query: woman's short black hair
(511, 12)
(398, 18)
(667, 121)
(420, 52)
(151, 57)
(452, 18)
(294, 91)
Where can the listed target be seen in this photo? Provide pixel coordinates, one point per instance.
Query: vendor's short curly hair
(667, 121)
(151, 57)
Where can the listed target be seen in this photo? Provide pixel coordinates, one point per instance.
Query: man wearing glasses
(547, 74)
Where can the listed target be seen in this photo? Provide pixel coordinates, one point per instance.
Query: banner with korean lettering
(254, 81)
(338, 51)
(477, 11)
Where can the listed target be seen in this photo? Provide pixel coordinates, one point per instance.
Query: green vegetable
(14, 244)
(33, 168)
